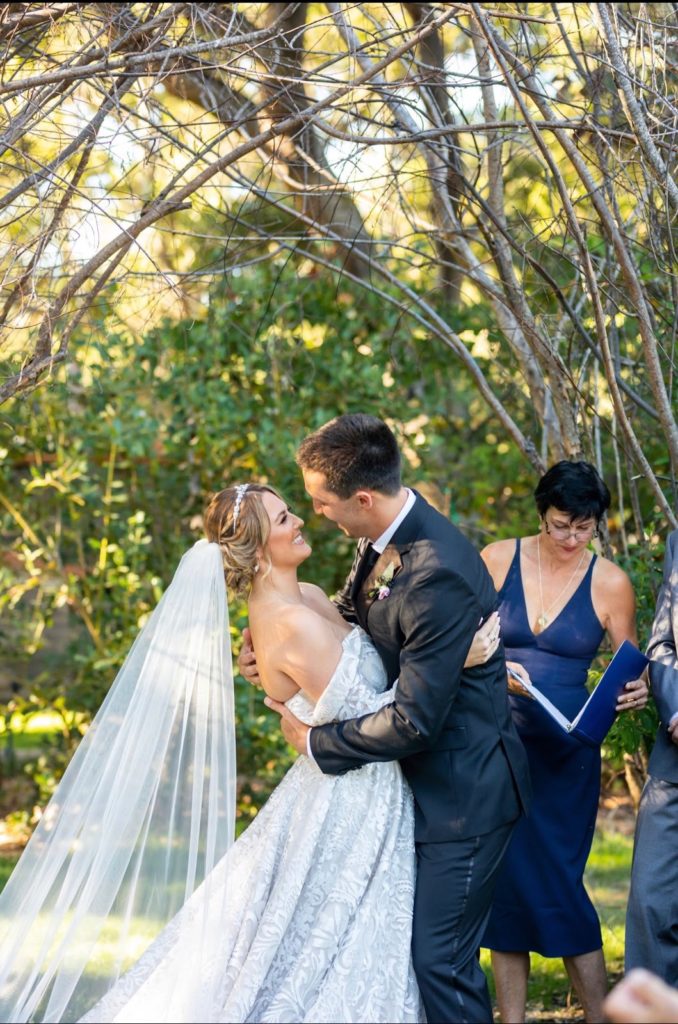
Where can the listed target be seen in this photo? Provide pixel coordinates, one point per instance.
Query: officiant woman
(557, 599)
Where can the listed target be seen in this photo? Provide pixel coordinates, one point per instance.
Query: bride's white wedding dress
(319, 894)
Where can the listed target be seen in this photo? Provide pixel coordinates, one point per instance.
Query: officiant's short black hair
(576, 488)
(353, 452)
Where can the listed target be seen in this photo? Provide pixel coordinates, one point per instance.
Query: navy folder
(595, 719)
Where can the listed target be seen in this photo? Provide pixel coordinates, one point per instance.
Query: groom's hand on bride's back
(293, 729)
(247, 659)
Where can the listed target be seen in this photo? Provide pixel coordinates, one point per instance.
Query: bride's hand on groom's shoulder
(247, 659)
(485, 642)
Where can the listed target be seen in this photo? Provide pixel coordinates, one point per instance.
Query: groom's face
(352, 515)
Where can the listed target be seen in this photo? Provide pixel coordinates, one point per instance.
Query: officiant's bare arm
(497, 558)
(614, 603)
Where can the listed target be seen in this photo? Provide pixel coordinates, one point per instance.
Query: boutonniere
(378, 586)
(382, 584)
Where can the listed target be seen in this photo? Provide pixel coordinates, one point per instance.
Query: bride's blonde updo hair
(242, 539)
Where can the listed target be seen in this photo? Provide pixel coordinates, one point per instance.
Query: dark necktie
(367, 563)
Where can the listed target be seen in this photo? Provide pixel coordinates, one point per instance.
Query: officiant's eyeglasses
(564, 532)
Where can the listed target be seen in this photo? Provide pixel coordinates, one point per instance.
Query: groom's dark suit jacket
(450, 727)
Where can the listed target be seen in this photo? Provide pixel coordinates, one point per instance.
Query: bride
(131, 901)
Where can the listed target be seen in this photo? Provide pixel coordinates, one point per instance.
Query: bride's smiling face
(286, 546)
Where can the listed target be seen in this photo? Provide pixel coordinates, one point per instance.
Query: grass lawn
(549, 995)
(27, 732)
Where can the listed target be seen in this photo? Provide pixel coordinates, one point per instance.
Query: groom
(420, 589)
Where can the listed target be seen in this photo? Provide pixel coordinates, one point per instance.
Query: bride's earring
(256, 567)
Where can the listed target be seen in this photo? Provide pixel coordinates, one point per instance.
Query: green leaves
(104, 478)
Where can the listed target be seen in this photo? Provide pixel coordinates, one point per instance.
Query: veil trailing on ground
(144, 811)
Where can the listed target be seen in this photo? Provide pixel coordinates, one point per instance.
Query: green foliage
(103, 476)
(634, 731)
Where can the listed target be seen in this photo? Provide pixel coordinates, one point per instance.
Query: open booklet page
(598, 713)
(544, 701)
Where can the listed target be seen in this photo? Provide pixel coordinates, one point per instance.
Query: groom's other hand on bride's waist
(247, 659)
(293, 729)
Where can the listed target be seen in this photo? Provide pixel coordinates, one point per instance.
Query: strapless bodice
(358, 685)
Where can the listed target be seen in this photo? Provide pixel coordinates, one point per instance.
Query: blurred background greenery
(205, 257)
(104, 475)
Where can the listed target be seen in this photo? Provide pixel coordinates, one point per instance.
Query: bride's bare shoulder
(308, 648)
(316, 598)
(304, 627)
(314, 595)
(289, 639)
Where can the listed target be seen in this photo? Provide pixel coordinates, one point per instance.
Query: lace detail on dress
(361, 664)
(309, 915)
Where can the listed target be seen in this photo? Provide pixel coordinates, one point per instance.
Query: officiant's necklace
(543, 620)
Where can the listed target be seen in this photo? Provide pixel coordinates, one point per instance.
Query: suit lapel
(378, 582)
(367, 584)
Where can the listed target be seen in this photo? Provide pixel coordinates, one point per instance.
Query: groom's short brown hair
(353, 451)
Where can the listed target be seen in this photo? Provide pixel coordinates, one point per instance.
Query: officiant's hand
(293, 729)
(513, 684)
(634, 696)
(247, 659)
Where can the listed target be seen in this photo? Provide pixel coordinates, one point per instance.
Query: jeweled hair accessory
(239, 495)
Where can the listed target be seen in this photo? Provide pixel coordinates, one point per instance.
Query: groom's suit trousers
(455, 885)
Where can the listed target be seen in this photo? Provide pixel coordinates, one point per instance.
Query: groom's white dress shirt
(380, 543)
(379, 546)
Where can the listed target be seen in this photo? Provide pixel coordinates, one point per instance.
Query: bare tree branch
(635, 113)
(504, 179)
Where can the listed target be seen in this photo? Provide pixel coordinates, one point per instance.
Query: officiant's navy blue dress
(541, 904)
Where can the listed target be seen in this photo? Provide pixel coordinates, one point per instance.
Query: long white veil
(144, 811)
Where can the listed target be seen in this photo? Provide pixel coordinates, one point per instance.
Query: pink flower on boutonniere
(382, 588)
